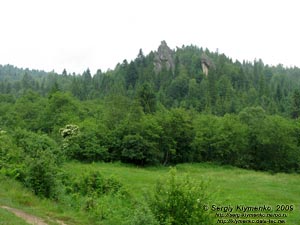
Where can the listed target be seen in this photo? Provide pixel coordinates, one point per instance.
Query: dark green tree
(147, 98)
(296, 104)
(131, 75)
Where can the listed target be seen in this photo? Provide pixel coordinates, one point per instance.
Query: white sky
(77, 34)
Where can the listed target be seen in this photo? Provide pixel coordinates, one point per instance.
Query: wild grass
(228, 186)
(8, 218)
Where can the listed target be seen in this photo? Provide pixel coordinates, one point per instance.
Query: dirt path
(29, 218)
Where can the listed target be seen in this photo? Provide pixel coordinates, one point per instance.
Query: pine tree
(296, 104)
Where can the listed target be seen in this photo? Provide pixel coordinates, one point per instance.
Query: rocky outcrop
(207, 64)
(164, 58)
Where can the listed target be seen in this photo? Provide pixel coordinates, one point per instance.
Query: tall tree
(296, 104)
(131, 75)
(147, 98)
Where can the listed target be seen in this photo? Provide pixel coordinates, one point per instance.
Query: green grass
(14, 195)
(228, 185)
(8, 218)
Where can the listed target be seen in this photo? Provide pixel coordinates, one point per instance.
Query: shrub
(41, 174)
(143, 216)
(140, 141)
(33, 143)
(179, 201)
(276, 146)
(31, 161)
(223, 140)
(83, 146)
(92, 183)
(11, 157)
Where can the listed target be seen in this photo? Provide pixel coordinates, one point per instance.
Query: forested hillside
(157, 109)
(177, 80)
(164, 108)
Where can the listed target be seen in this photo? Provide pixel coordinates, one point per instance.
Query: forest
(158, 109)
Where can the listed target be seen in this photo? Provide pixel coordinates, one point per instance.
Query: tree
(86, 84)
(61, 109)
(296, 104)
(131, 75)
(212, 88)
(41, 175)
(140, 60)
(27, 81)
(30, 108)
(64, 73)
(179, 201)
(177, 135)
(225, 94)
(178, 88)
(83, 145)
(11, 157)
(277, 146)
(140, 139)
(147, 98)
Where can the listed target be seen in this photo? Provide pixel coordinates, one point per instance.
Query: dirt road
(28, 217)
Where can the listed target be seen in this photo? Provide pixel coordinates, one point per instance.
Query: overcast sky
(77, 34)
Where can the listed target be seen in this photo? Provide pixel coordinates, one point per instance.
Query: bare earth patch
(28, 217)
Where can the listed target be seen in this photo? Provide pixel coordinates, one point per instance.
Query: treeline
(228, 88)
(242, 114)
(119, 129)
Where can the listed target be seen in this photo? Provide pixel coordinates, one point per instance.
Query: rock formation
(164, 58)
(206, 63)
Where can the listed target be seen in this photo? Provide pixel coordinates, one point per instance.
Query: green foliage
(10, 218)
(225, 117)
(237, 115)
(273, 143)
(131, 75)
(30, 108)
(143, 216)
(33, 161)
(177, 135)
(140, 142)
(180, 201)
(223, 140)
(147, 98)
(178, 88)
(11, 157)
(41, 174)
(277, 146)
(84, 146)
(296, 104)
(33, 143)
(230, 185)
(92, 183)
(134, 149)
(61, 109)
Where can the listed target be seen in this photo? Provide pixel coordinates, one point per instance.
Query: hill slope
(228, 186)
(176, 78)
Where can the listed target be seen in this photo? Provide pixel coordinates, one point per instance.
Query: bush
(11, 157)
(33, 143)
(143, 216)
(83, 146)
(277, 148)
(140, 140)
(92, 183)
(41, 174)
(221, 139)
(179, 201)
(137, 150)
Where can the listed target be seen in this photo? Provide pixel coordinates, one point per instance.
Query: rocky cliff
(164, 58)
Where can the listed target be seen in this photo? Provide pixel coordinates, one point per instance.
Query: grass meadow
(228, 186)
